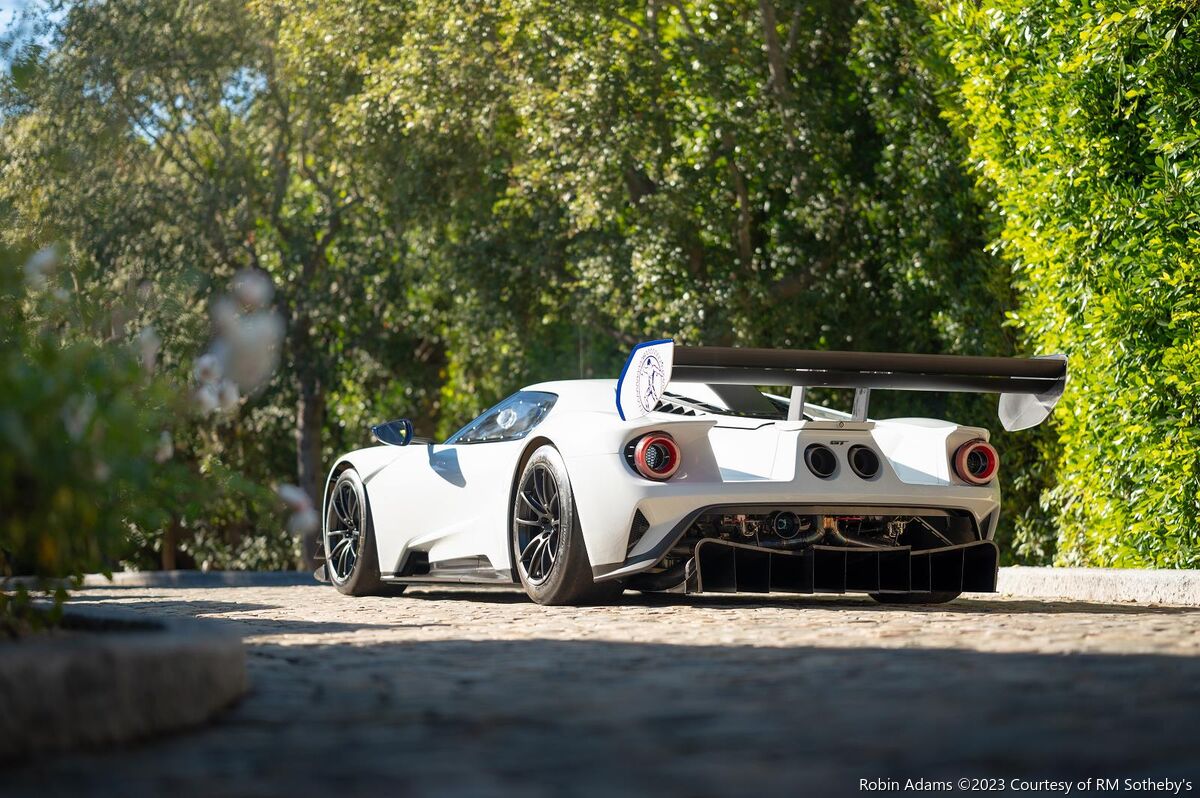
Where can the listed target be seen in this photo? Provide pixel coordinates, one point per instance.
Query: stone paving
(479, 692)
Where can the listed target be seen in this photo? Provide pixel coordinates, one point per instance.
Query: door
(451, 499)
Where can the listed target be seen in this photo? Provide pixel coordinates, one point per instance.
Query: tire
(547, 544)
(348, 536)
(936, 597)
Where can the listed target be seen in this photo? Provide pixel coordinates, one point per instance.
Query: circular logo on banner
(650, 382)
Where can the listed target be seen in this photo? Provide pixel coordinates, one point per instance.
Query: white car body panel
(454, 502)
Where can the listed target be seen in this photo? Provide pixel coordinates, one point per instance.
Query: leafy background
(453, 199)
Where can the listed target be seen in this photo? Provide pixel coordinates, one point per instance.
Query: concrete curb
(176, 579)
(110, 676)
(1106, 585)
(201, 579)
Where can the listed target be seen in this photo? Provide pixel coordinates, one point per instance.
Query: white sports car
(684, 476)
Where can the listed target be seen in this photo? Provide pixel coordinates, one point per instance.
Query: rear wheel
(936, 597)
(351, 559)
(547, 544)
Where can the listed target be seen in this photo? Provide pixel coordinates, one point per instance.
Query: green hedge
(1082, 121)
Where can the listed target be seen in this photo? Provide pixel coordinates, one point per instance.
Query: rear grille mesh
(637, 530)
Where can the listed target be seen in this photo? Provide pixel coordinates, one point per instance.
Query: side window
(510, 420)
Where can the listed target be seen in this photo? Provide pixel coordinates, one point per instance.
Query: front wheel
(547, 544)
(351, 560)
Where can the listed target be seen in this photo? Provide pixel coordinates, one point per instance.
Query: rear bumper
(725, 567)
(608, 499)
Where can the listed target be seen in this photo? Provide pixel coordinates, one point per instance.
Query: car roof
(589, 395)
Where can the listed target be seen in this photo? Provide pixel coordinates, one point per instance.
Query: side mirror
(394, 433)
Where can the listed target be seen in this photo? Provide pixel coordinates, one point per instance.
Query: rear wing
(1028, 387)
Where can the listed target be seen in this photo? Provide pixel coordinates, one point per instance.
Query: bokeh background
(237, 232)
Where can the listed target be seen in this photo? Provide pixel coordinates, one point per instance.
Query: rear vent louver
(667, 406)
(637, 530)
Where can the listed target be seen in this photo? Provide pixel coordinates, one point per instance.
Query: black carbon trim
(661, 548)
(901, 371)
(886, 362)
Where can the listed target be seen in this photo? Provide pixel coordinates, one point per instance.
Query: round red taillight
(976, 462)
(656, 456)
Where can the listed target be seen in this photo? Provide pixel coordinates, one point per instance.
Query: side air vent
(637, 530)
(416, 563)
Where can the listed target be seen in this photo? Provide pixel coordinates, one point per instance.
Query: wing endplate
(644, 378)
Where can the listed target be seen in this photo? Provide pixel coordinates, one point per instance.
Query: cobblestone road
(460, 692)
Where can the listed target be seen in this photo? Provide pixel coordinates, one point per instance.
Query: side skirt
(418, 570)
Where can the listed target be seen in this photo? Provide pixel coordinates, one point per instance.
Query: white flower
(224, 315)
(261, 330)
(166, 448)
(206, 398)
(148, 344)
(304, 521)
(254, 349)
(41, 265)
(35, 280)
(228, 396)
(253, 288)
(294, 497)
(208, 369)
(76, 414)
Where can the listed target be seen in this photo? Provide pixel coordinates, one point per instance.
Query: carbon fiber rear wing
(1028, 387)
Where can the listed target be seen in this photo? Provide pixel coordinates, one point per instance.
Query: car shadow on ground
(211, 612)
(970, 605)
(538, 717)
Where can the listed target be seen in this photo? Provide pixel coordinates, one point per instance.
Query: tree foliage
(84, 439)
(453, 199)
(171, 146)
(720, 172)
(1081, 119)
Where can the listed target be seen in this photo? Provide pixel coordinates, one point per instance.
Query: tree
(1081, 120)
(454, 199)
(172, 146)
(721, 172)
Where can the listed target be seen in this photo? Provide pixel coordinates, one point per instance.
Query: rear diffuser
(725, 567)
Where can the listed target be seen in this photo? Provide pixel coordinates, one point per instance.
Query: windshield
(513, 418)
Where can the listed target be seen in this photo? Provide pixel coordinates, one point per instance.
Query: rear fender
(607, 489)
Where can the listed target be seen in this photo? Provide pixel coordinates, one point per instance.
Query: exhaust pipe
(829, 527)
(790, 529)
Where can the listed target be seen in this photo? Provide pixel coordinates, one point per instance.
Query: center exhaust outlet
(863, 461)
(820, 460)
